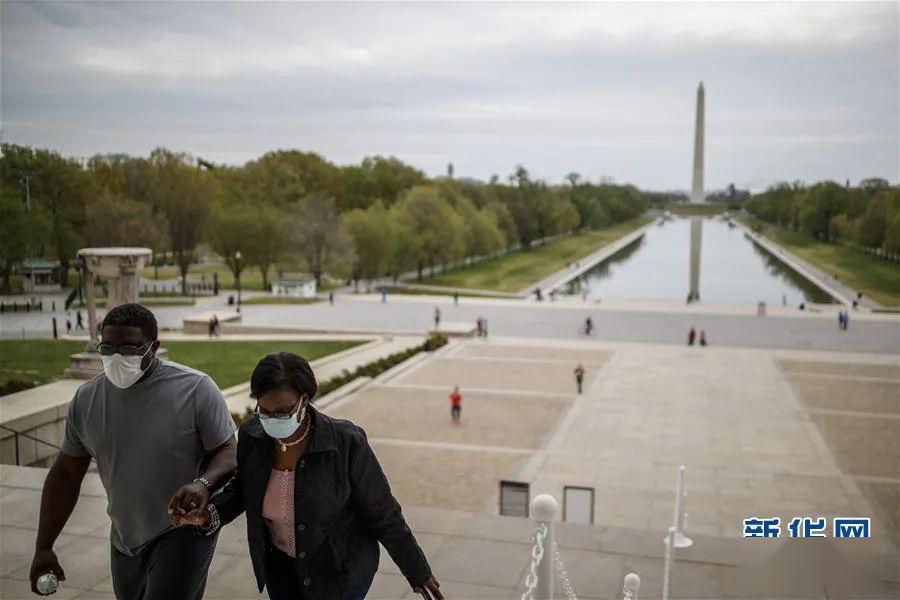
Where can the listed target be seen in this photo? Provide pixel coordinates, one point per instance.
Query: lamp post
(237, 277)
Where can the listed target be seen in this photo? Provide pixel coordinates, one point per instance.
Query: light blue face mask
(282, 427)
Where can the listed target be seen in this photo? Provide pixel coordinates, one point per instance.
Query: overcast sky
(793, 90)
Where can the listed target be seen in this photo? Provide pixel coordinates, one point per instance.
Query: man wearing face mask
(163, 439)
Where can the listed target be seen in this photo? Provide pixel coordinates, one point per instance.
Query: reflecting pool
(732, 269)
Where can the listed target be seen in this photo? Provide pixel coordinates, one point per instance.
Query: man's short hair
(133, 315)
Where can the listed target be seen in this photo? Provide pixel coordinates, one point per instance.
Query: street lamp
(237, 277)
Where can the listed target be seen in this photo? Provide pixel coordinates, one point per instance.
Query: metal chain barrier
(537, 554)
(561, 568)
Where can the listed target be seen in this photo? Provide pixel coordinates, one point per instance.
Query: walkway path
(585, 264)
(834, 287)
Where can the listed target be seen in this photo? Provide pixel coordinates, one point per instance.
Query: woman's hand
(195, 517)
(430, 589)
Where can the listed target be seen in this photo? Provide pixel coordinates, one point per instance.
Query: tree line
(378, 218)
(867, 215)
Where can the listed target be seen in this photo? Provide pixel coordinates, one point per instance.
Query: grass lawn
(231, 363)
(874, 277)
(512, 272)
(278, 300)
(40, 361)
(228, 363)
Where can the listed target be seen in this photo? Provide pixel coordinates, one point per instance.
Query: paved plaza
(647, 321)
(762, 432)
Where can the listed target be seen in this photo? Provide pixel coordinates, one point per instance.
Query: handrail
(16, 435)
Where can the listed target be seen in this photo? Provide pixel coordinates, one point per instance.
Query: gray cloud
(794, 90)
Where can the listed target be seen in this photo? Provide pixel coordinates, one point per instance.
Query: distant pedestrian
(384, 294)
(215, 325)
(331, 298)
(455, 404)
(588, 328)
(846, 320)
(802, 306)
(480, 323)
(840, 319)
(68, 325)
(692, 335)
(855, 305)
(702, 337)
(437, 317)
(537, 295)
(579, 376)
(211, 326)
(456, 298)
(79, 322)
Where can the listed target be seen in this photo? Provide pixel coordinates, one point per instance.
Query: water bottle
(47, 583)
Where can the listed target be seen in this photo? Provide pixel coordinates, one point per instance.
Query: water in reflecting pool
(732, 269)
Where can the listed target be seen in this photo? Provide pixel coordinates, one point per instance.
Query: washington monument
(697, 195)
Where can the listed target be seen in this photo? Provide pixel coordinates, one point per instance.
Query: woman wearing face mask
(316, 499)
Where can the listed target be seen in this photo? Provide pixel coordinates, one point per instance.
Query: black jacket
(343, 507)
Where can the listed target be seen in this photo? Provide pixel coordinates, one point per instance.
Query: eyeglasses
(278, 415)
(106, 349)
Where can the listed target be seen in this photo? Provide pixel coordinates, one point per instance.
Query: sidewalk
(585, 264)
(833, 286)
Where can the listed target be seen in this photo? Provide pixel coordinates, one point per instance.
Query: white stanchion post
(678, 517)
(543, 509)
(667, 569)
(630, 588)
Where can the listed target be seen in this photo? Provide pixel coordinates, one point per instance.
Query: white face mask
(283, 428)
(123, 371)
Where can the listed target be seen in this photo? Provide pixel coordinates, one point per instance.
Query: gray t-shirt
(148, 441)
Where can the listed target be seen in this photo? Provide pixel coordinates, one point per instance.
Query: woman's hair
(282, 371)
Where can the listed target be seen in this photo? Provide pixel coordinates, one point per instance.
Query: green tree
(823, 201)
(318, 234)
(283, 178)
(113, 220)
(229, 231)
(377, 177)
(482, 235)
(892, 235)
(505, 222)
(438, 228)
(58, 188)
(372, 241)
(14, 233)
(267, 243)
(184, 194)
(406, 246)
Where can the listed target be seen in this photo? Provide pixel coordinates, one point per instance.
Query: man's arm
(193, 497)
(61, 489)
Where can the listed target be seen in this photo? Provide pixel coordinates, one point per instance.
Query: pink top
(278, 511)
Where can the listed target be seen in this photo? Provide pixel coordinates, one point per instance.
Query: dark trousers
(579, 380)
(172, 567)
(282, 582)
(454, 412)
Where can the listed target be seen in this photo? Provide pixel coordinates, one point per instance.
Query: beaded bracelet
(214, 522)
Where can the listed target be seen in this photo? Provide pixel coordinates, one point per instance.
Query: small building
(300, 287)
(40, 275)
